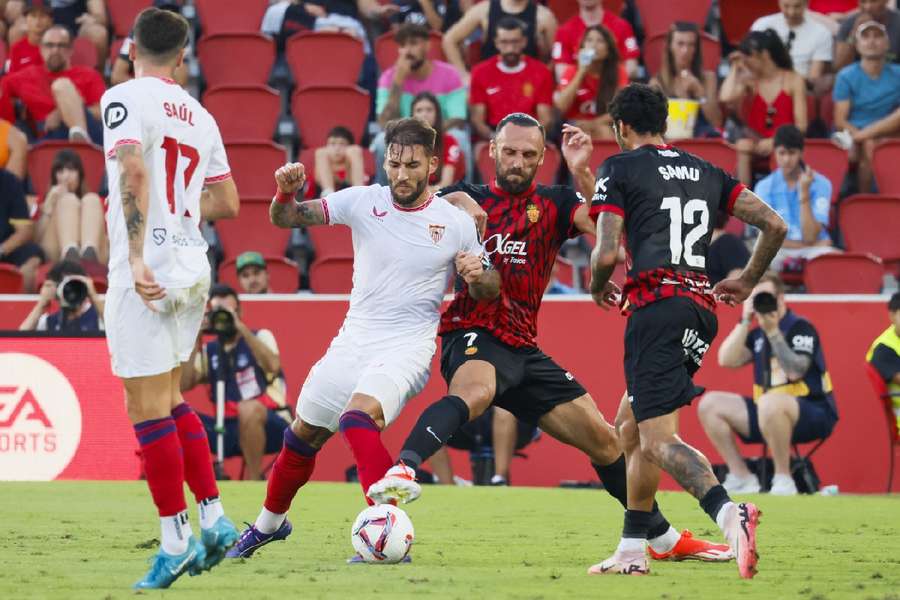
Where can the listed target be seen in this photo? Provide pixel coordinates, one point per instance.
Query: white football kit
(182, 151)
(403, 262)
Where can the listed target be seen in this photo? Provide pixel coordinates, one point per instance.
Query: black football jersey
(669, 200)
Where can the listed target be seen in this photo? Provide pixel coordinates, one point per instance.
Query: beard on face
(56, 63)
(408, 198)
(514, 187)
(511, 59)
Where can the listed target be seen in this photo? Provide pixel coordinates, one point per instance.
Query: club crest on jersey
(533, 212)
(471, 351)
(436, 232)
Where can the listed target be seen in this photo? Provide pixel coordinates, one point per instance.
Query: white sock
(632, 546)
(269, 522)
(723, 513)
(665, 542)
(176, 531)
(210, 511)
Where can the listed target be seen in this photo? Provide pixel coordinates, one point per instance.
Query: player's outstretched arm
(220, 200)
(604, 259)
(750, 208)
(287, 212)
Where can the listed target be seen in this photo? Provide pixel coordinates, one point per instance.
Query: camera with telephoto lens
(71, 292)
(764, 303)
(221, 322)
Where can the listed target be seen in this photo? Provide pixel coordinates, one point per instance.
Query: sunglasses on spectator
(770, 117)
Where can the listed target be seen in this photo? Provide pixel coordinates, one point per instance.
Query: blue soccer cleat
(168, 567)
(252, 539)
(217, 540)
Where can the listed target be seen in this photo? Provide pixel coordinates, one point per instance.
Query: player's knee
(477, 396)
(652, 448)
(709, 407)
(311, 434)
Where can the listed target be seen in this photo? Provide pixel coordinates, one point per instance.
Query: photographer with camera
(247, 362)
(792, 399)
(80, 307)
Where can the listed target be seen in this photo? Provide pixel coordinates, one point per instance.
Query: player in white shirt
(162, 148)
(406, 243)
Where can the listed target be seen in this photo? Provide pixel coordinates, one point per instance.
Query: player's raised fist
(469, 267)
(290, 178)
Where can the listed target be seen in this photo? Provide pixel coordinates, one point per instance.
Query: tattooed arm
(290, 213)
(794, 364)
(604, 258)
(749, 208)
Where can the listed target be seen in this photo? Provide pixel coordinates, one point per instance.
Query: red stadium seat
(252, 230)
(829, 160)
(317, 109)
(738, 15)
(331, 275)
(84, 52)
(710, 49)
(122, 14)
(228, 104)
(715, 151)
(308, 158)
(603, 149)
(10, 280)
(236, 59)
(546, 173)
(253, 165)
(284, 276)
(884, 164)
(40, 159)
(849, 273)
(887, 402)
(658, 16)
(386, 49)
(869, 224)
(304, 52)
(331, 242)
(231, 16)
(826, 111)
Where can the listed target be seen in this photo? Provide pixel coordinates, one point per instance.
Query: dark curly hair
(641, 107)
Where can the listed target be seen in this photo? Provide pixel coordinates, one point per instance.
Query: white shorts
(391, 373)
(142, 342)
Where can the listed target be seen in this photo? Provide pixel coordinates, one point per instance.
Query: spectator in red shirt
(61, 100)
(511, 83)
(27, 51)
(452, 165)
(590, 13)
(339, 164)
(585, 91)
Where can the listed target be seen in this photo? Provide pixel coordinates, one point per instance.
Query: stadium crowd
(800, 99)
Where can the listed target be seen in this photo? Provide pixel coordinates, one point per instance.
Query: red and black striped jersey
(669, 200)
(523, 237)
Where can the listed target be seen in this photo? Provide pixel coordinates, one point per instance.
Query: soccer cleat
(167, 568)
(356, 559)
(252, 539)
(217, 540)
(622, 564)
(783, 485)
(690, 548)
(740, 531)
(397, 485)
(741, 485)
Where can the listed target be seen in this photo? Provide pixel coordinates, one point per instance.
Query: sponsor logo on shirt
(802, 343)
(513, 251)
(115, 114)
(492, 90)
(159, 235)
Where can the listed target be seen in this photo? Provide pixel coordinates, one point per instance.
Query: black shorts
(529, 383)
(664, 345)
(20, 255)
(815, 422)
(275, 426)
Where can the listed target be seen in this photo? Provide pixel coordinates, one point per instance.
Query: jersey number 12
(173, 151)
(694, 212)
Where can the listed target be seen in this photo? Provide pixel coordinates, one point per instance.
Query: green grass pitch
(92, 540)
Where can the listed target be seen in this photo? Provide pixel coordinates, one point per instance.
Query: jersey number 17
(173, 151)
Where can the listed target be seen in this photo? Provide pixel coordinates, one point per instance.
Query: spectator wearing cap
(27, 51)
(61, 100)
(252, 273)
(846, 49)
(801, 196)
(509, 83)
(867, 99)
(807, 41)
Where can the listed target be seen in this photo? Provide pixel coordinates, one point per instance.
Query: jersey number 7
(173, 151)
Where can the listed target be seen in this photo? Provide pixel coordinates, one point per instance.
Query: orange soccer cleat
(690, 548)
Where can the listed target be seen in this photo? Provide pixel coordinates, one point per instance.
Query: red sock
(292, 469)
(163, 464)
(364, 438)
(198, 469)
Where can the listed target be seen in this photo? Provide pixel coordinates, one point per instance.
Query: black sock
(435, 426)
(636, 524)
(714, 500)
(615, 482)
(658, 523)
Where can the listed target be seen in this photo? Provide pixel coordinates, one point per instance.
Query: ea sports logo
(40, 419)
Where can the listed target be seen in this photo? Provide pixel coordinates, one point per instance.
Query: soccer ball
(382, 534)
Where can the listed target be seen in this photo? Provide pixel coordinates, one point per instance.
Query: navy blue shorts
(815, 422)
(275, 426)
